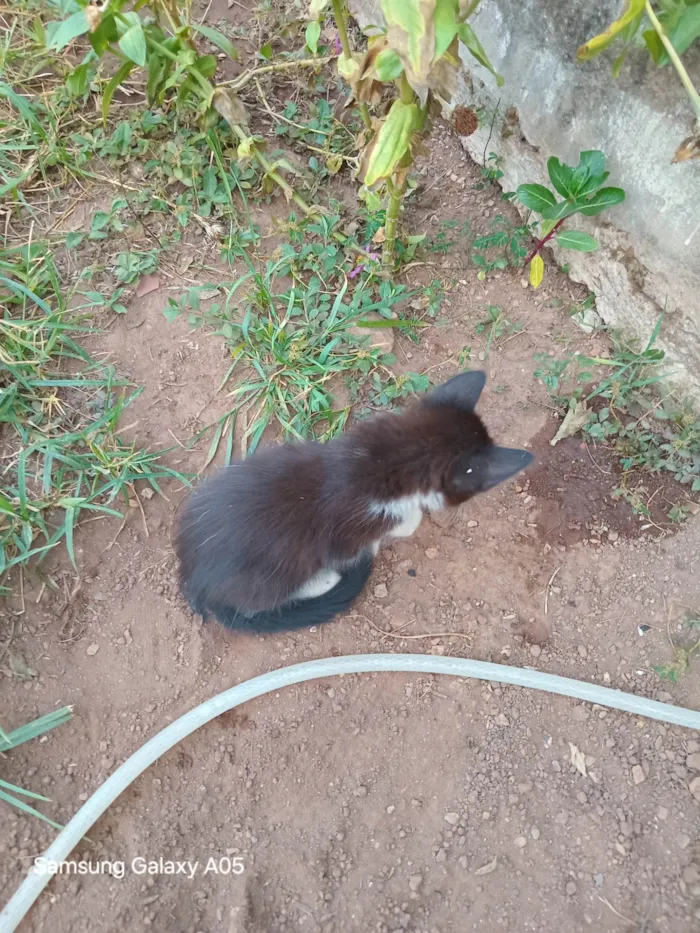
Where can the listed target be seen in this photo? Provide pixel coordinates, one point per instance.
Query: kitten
(286, 538)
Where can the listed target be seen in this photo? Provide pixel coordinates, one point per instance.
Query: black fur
(300, 613)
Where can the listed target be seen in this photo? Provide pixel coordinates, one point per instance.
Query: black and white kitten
(287, 537)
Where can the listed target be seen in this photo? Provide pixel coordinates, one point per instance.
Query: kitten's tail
(302, 612)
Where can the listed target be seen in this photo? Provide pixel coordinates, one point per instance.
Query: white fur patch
(406, 507)
(324, 581)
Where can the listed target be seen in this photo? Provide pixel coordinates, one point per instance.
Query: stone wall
(649, 259)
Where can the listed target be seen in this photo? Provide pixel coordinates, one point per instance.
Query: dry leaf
(19, 666)
(575, 419)
(688, 149)
(578, 759)
(379, 236)
(230, 106)
(488, 868)
(147, 284)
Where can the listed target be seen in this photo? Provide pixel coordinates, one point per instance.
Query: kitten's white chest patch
(407, 506)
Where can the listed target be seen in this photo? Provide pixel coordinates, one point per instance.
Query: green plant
(60, 412)
(582, 191)
(13, 794)
(498, 326)
(683, 654)
(508, 243)
(417, 53)
(647, 433)
(673, 26)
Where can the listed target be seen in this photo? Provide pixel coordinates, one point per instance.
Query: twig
(237, 83)
(675, 59)
(493, 121)
(604, 472)
(425, 635)
(546, 589)
(616, 912)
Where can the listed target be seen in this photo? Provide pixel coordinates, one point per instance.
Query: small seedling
(683, 654)
(498, 326)
(583, 193)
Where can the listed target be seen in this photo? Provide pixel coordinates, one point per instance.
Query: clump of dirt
(575, 487)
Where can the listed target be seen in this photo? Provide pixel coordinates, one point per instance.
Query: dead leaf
(230, 106)
(688, 149)
(147, 284)
(578, 759)
(19, 666)
(379, 236)
(575, 419)
(488, 868)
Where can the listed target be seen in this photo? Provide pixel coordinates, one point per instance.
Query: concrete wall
(650, 246)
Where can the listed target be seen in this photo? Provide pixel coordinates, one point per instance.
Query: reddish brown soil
(374, 802)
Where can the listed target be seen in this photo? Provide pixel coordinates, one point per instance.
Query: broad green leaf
(316, 7)
(573, 239)
(536, 197)
(686, 31)
(411, 33)
(392, 141)
(105, 33)
(445, 25)
(654, 45)
(120, 75)
(133, 44)
(313, 34)
(76, 25)
(471, 40)
(218, 39)
(78, 80)
(633, 10)
(388, 65)
(560, 210)
(536, 271)
(546, 226)
(591, 161)
(159, 69)
(600, 201)
(560, 174)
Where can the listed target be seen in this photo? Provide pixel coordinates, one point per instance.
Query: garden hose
(107, 793)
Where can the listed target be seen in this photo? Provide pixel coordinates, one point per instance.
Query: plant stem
(342, 24)
(237, 83)
(396, 193)
(289, 192)
(405, 90)
(538, 248)
(675, 58)
(470, 9)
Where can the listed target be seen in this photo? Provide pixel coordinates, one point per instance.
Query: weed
(12, 794)
(660, 435)
(683, 653)
(507, 241)
(59, 414)
(498, 326)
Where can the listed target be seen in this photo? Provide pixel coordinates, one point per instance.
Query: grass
(646, 431)
(684, 651)
(59, 421)
(11, 793)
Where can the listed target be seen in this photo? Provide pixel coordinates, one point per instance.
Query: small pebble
(693, 761)
(534, 832)
(415, 881)
(452, 818)
(472, 524)
(535, 651)
(92, 649)
(380, 591)
(583, 651)
(638, 775)
(694, 788)
(570, 888)
(521, 842)
(431, 553)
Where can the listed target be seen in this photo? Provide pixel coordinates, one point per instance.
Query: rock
(520, 842)
(694, 788)
(472, 524)
(683, 841)
(534, 832)
(580, 713)
(693, 761)
(535, 651)
(570, 888)
(451, 818)
(92, 650)
(502, 720)
(380, 591)
(431, 553)
(613, 535)
(415, 881)
(361, 791)
(638, 775)
(691, 874)
(583, 651)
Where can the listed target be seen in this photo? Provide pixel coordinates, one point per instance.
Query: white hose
(92, 810)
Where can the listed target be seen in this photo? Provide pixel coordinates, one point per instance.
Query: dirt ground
(379, 803)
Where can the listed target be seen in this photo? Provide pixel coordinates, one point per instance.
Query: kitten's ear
(491, 466)
(461, 391)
